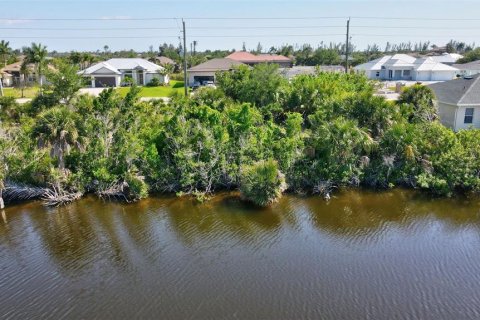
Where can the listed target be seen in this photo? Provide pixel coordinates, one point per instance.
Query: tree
(65, 82)
(259, 85)
(259, 48)
(37, 55)
(262, 183)
(421, 99)
(5, 51)
(323, 56)
(57, 129)
(470, 56)
(24, 71)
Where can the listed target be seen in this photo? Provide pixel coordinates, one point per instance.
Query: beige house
(11, 75)
(458, 102)
(206, 72)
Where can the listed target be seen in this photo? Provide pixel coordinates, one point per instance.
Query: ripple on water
(395, 255)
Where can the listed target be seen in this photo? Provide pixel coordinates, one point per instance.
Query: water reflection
(175, 258)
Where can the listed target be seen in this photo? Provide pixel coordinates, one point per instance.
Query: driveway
(91, 91)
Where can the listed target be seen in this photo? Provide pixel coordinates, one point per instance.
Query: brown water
(394, 255)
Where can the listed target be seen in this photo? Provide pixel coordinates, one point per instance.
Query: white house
(448, 58)
(405, 67)
(114, 72)
(468, 69)
(458, 102)
(207, 71)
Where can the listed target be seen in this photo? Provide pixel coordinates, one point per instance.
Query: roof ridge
(469, 89)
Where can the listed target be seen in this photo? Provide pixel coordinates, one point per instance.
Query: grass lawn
(157, 92)
(29, 92)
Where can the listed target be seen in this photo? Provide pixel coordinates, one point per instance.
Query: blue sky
(229, 34)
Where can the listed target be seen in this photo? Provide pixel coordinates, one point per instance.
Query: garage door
(101, 82)
(202, 79)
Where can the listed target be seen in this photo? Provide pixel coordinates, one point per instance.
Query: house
(468, 69)
(115, 72)
(294, 71)
(405, 67)
(251, 59)
(207, 71)
(447, 58)
(12, 76)
(458, 102)
(6, 78)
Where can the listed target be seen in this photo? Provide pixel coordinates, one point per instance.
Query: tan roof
(221, 64)
(248, 57)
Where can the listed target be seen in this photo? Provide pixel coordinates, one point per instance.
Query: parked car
(196, 85)
(209, 84)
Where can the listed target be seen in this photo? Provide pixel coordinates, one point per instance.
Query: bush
(137, 188)
(155, 82)
(177, 77)
(262, 183)
(42, 102)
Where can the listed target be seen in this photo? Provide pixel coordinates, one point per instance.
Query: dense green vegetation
(257, 132)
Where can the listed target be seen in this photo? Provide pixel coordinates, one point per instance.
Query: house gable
(103, 70)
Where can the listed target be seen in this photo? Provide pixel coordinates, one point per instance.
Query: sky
(227, 24)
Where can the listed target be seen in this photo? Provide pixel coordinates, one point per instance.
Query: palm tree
(37, 54)
(5, 51)
(57, 129)
(24, 75)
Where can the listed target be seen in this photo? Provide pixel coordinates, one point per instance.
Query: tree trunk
(2, 204)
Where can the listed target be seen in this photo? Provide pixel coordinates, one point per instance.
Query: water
(392, 255)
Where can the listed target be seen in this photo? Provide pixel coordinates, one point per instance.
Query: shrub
(155, 82)
(42, 102)
(137, 188)
(262, 183)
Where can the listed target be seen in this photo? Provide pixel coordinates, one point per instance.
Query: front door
(140, 79)
(390, 74)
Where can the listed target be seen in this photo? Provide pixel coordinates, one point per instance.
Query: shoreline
(208, 198)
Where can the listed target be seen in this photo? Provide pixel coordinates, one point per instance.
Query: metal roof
(115, 65)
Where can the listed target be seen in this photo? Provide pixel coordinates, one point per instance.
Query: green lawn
(157, 92)
(30, 92)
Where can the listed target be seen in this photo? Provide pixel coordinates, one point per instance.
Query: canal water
(362, 255)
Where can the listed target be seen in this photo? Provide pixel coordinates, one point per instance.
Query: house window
(377, 74)
(406, 73)
(468, 115)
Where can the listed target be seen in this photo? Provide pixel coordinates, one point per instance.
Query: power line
(227, 36)
(193, 36)
(238, 18)
(418, 19)
(234, 28)
(166, 18)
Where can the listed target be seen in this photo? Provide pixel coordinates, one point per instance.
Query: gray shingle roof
(459, 92)
(224, 64)
(475, 65)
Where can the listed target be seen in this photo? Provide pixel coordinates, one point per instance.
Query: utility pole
(347, 45)
(185, 59)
